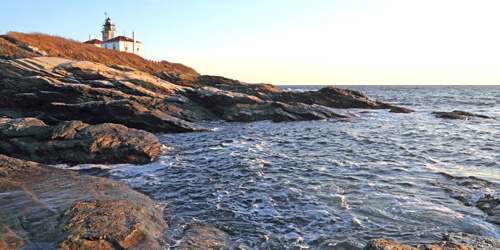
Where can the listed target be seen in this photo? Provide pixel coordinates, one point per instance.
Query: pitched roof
(93, 41)
(120, 39)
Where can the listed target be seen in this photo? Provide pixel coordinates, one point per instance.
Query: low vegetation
(12, 42)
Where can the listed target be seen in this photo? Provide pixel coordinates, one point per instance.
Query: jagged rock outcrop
(40, 203)
(56, 89)
(74, 142)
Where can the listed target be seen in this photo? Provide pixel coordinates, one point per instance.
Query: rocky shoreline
(59, 111)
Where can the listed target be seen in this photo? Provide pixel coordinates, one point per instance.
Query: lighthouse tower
(108, 30)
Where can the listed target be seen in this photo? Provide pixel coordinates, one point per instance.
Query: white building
(95, 42)
(120, 43)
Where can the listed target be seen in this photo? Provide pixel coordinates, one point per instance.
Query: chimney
(91, 37)
(134, 50)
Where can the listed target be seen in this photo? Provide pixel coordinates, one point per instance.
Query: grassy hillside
(61, 47)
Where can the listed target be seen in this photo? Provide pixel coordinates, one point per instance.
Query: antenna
(106, 14)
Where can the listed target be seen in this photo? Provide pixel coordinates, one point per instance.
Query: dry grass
(62, 47)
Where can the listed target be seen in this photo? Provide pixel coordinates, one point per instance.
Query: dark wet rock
(40, 203)
(400, 110)
(460, 115)
(75, 142)
(470, 114)
(475, 192)
(331, 97)
(233, 106)
(127, 112)
(450, 115)
(302, 112)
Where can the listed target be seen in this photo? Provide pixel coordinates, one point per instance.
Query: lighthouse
(108, 30)
(119, 43)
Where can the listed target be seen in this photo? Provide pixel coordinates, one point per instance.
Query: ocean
(333, 184)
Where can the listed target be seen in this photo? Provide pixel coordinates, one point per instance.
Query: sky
(286, 42)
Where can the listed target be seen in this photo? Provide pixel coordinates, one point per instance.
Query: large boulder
(40, 203)
(75, 142)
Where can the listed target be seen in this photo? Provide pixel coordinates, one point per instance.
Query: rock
(475, 192)
(465, 113)
(40, 203)
(450, 115)
(9, 50)
(330, 97)
(75, 142)
(56, 89)
(211, 97)
(381, 244)
(474, 241)
(302, 112)
(450, 243)
(9, 239)
(219, 82)
(459, 115)
(444, 245)
(197, 236)
(239, 107)
(127, 112)
(400, 110)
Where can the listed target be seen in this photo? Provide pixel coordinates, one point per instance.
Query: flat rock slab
(75, 142)
(40, 203)
(460, 115)
(452, 241)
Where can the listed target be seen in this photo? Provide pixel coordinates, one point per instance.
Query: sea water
(331, 184)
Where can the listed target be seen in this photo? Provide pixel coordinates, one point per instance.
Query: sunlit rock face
(40, 203)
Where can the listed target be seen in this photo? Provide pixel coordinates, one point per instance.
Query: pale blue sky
(291, 41)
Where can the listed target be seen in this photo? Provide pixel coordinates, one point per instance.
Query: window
(114, 46)
(137, 48)
(126, 47)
